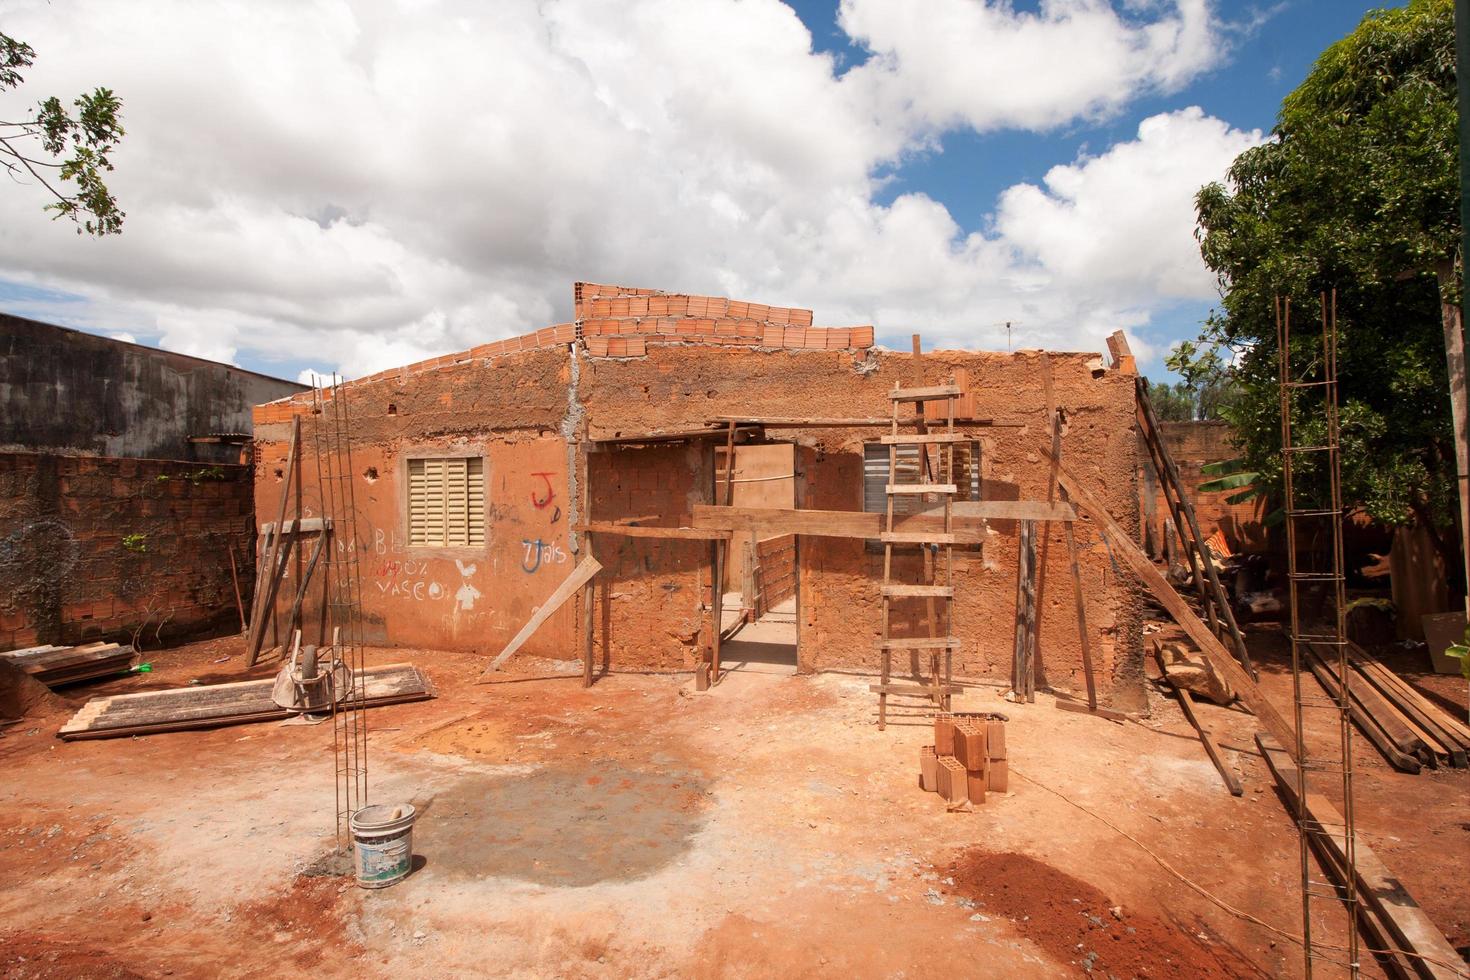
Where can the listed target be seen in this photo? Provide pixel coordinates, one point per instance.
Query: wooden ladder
(938, 689)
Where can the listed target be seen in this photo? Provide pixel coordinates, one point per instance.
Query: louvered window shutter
(446, 502)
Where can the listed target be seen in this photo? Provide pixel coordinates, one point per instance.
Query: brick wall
(94, 547)
(1192, 445)
(519, 408)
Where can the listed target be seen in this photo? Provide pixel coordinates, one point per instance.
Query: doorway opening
(758, 624)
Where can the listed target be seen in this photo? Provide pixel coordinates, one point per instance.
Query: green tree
(1172, 403)
(58, 145)
(1357, 191)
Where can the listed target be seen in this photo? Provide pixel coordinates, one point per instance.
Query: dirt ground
(638, 829)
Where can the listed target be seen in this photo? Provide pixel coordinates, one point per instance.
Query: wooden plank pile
(1394, 927)
(968, 758)
(1408, 730)
(215, 705)
(54, 665)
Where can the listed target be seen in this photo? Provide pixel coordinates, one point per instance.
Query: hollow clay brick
(928, 769)
(969, 745)
(975, 783)
(995, 738)
(1000, 775)
(944, 734)
(952, 780)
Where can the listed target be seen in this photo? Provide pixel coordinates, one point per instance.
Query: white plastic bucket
(382, 844)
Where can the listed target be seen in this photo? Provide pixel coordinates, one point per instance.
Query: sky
(318, 185)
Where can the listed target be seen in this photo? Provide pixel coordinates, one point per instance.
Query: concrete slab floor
(636, 829)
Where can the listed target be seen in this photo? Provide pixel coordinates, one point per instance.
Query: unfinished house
(125, 487)
(725, 464)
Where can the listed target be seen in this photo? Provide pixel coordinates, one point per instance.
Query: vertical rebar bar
(1339, 701)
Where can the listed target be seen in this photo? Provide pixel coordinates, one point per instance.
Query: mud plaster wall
(678, 388)
(650, 609)
(472, 599)
(94, 547)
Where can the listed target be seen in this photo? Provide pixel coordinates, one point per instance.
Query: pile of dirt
(28, 956)
(22, 696)
(1075, 922)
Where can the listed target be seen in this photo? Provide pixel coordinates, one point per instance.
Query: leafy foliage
(1358, 191)
(72, 144)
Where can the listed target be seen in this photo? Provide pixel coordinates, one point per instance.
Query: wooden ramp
(211, 706)
(54, 666)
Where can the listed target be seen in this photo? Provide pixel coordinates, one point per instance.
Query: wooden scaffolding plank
(925, 438)
(1365, 722)
(580, 575)
(916, 591)
(209, 706)
(918, 642)
(906, 488)
(1377, 887)
(916, 537)
(929, 394)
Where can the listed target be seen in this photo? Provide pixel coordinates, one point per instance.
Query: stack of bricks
(620, 321)
(967, 760)
(617, 321)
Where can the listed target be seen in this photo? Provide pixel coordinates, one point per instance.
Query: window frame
(910, 504)
(410, 455)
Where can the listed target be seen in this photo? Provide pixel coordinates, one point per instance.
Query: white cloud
(1124, 220)
(982, 64)
(364, 185)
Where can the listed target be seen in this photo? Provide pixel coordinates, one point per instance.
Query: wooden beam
(969, 519)
(925, 438)
(1377, 888)
(1125, 548)
(768, 422)
(1404, 750)
(1186, 704)
(583, 573)
(1078, 707)
(906, 488)
(1023, 683)
(308, 525)
(667, 533)
(929, 394)
(920, 591)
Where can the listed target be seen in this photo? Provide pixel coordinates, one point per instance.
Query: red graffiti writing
(541, 503)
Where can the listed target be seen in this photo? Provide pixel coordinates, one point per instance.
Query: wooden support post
(1052, 490)
(293, 621)
(1126, 549)
(265, 603)
(1024, 683)
(587, 618)
(580, 575)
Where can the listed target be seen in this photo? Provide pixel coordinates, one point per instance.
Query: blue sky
(381, 190)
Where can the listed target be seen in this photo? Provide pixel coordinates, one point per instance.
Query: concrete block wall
(95, 546)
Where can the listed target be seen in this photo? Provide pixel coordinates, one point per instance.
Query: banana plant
(1231, 476)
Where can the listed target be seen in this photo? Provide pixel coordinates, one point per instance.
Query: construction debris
(54, 666)
(1189, 670)
(210, 706)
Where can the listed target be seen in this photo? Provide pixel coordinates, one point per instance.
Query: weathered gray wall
(72, 392)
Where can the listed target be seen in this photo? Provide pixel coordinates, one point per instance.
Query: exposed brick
(862, 336)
